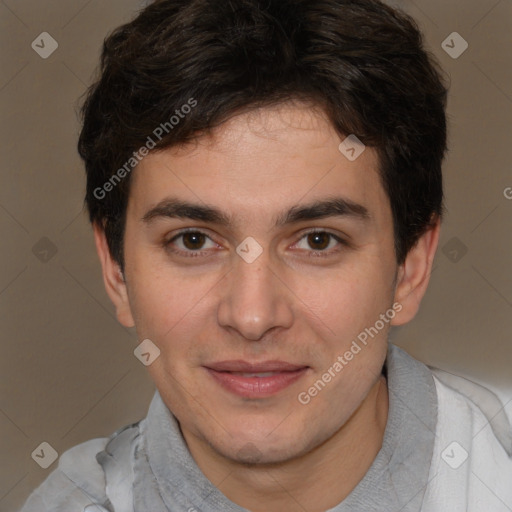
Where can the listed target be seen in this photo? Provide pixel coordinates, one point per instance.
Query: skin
(290, 304)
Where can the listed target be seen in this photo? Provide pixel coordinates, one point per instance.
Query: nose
(254, 299)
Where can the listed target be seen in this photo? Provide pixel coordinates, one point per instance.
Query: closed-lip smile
(255, 379)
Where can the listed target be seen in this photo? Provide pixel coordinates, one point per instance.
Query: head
(225, 119)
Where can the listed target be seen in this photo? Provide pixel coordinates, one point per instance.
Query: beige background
(68, 372)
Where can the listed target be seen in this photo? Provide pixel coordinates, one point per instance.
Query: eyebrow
(330, 207)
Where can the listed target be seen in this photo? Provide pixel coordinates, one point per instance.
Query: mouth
(255, 380)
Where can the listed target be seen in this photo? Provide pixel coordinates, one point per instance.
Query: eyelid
(342, 241)
(167, 242)
(184, 231)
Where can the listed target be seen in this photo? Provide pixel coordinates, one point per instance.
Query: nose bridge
(253, 300)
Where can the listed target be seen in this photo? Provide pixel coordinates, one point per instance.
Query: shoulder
(77, 481)
(460, 396)
(80, 479)
(472, 458)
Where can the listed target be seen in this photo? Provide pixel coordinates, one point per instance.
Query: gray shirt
(147, 467)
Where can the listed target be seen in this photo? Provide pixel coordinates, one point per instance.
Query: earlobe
(414, 274)
(113, 279)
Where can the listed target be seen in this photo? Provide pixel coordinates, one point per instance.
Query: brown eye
(319, 241)
(193, 240)
(191, 243)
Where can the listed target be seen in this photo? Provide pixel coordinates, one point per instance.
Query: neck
(316, 481)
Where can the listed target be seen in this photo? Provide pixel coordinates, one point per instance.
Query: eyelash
(194, 254)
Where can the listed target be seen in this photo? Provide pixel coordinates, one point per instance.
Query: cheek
(166, 301)
(347, 300)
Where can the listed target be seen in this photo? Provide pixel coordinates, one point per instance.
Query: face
(254, 259)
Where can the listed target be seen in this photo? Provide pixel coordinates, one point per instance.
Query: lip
(239, 365)
(229, 375)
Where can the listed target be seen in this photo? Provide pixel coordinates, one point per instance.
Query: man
(264, 183)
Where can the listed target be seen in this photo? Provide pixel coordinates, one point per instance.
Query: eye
(318, 242)
(191, 242)
(194, 243)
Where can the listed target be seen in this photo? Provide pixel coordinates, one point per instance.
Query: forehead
(259, 162)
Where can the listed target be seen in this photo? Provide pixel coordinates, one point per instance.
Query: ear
(113, 279)
(414, 274)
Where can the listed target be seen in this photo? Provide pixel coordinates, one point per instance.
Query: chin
(263, 446)
(262, 454)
